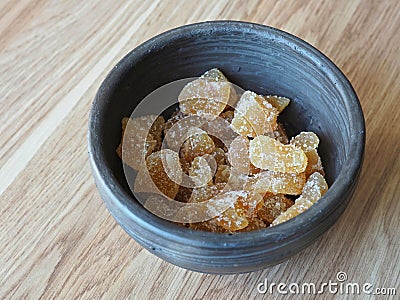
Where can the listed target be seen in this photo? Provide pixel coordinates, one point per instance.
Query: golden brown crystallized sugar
(254, 116)
(239, 154)
(273, 206)
(196, 145)
(313, 190)
(269, 154)
(279, 103)
(160, 166)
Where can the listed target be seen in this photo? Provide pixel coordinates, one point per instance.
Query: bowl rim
(292, 229)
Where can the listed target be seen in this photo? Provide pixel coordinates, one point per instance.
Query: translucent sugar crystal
(164, 169)
(273, 206)
(222, 174)
(232, 220)
(140, 137)
(315, 187)
(196, 145)
(214, 74)
(200, 171)
(276, 183)
(238, 155)
(205, 97)
(314, 163)
(279, 103)
(305, 140)
(300, 206)
(254, 115)
(313, 190)
(267, 153)
(254, 224)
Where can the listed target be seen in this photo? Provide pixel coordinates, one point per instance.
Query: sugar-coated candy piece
(315, 187)
(276, 183)
(222, 174)
(238, 155)
(205, 97)
(254, 116)
(232, 220)
(164, 169)
(314, 163)
(267, 153)
(278, 102)
(273, 206)
(305, 140)
(204, 193)
(200, 171)
(214, 74)
(297, 208)
(313, 190)
(196, 145)
(250, 203)
(183, 194)
(254, 224)
(141, 137)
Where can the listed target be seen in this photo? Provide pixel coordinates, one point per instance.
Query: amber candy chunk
(203, 193)
(278, 102)
(214, 74)
(175, 117)
(254, 224)
(200, 171)
(313, 190)
(300, 206)
(222, 174)
(305, 140)
(162, 166)
(267, 153)
(253, 115)
(276, 183)
(183, 194)
(314, 163)
(315, 187)
(238, 155)
(196, 145)
(250, 203)
(232, 220)
(273, 206)
(140, 137)
(205, 97)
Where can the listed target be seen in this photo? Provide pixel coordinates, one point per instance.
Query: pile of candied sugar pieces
(222, 144)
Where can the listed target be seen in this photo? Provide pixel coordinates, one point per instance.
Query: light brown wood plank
(57, 238)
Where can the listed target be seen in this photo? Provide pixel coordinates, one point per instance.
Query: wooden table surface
(57, 239)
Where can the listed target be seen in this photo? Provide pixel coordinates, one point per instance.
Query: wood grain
(57, 239)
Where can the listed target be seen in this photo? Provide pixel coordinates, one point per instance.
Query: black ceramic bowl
(258, 58)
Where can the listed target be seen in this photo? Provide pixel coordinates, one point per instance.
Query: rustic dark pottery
(255, 57)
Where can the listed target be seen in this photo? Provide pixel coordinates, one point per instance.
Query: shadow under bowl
(257, 58)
